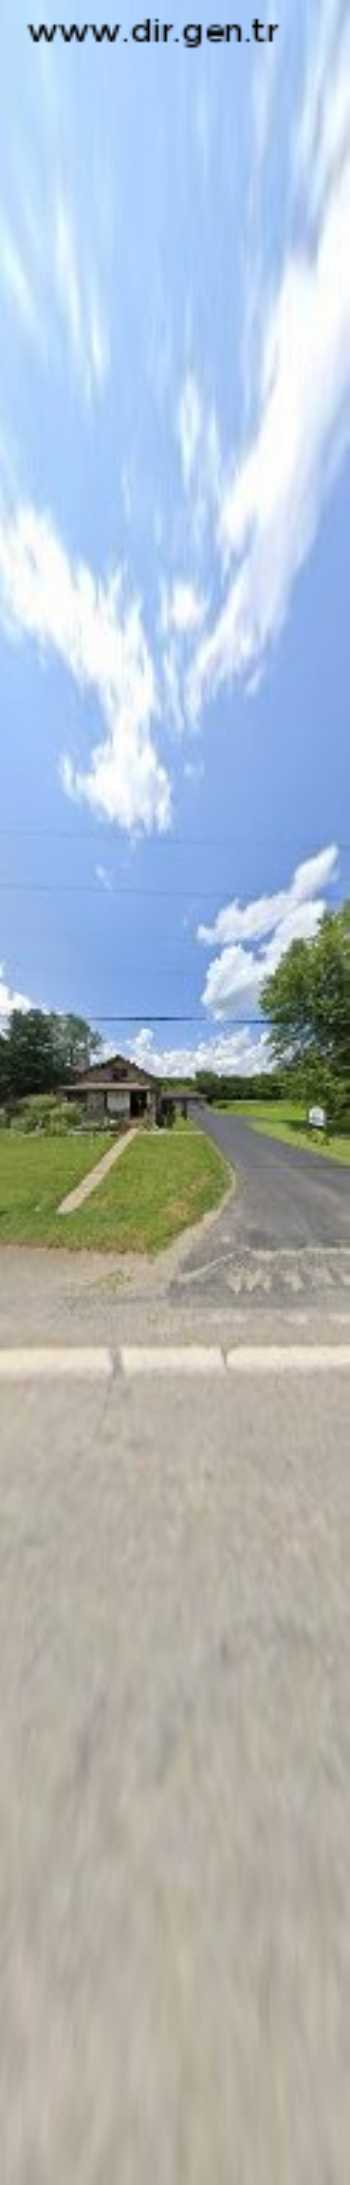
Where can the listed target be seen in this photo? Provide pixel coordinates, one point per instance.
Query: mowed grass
(164, 1181)
(285, 1120)
(35, 1174)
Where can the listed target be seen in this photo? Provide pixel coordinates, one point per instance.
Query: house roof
(115, 1071)
(110, 1084)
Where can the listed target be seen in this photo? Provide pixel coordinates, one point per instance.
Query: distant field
(285, 1120)
(164, 1181)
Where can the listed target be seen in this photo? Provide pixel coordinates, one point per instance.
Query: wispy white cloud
(255, 278)
(16, 284)
(79, 302)
(272, 502)
(49, 275)
(189, 426)
(172, 689)
(200, 454)
(237, 974)
(158, 528)
(67, 278)
(126, 489)
(182, 611)
(98, 342)
(183, 608)
(203, 125)
(96, 629)
(321, 133)
(194, 770)
(105, 878)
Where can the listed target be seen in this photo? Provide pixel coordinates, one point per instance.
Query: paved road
(284, 1235)
(175, 1782)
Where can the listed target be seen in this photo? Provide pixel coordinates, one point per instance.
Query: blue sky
(174, 473)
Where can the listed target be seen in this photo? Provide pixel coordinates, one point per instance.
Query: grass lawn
(283, 1119)
(163, 1182)
(35, 1174)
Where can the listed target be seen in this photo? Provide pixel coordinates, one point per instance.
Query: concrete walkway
(96, 1175)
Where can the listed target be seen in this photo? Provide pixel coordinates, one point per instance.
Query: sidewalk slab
(96, 1175)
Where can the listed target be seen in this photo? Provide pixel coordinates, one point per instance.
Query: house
(116, 1091)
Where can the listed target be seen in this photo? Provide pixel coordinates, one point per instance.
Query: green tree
(4, 1075)
(206, 1083)
(76, 1045)
(307, 1001)
(30, 1053)
(39, 1052)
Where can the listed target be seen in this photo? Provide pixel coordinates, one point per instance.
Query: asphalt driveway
(286, 1230)
(284, 1197)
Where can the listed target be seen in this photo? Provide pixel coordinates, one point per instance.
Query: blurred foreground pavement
(175, 1780)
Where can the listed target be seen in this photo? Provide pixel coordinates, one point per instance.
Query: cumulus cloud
(251, 922)
(97, 631)
(272, 500)
(233, 981)
(9, 999)
(234, 1053)
(237, 974)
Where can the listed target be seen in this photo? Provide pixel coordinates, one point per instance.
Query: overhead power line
(157, 895)
(63, 887)
(157, 841)
(153, 1017)
(210, 1028)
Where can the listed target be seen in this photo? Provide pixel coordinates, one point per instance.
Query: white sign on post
(317, 1118)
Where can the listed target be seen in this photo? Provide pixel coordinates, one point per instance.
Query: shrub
(43, 1112)
(66, 1115)
(21, 1125)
